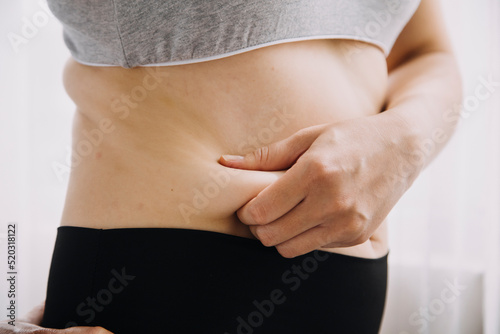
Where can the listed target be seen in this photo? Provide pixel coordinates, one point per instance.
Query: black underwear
(165, 280)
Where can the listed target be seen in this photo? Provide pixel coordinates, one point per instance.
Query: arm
(425, 90)
(344, 178)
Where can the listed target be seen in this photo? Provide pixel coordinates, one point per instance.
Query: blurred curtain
(444, 233)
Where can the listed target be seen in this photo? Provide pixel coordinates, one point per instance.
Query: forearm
(423, 103)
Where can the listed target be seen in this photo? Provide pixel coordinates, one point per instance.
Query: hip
(187, 281)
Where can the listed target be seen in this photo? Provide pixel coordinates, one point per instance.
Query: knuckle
(257, 214)
(319, 166)
(352, 232)
(355, 211)
(302, 133)
(353, 229)
(261, 155)
(265, 237)
(302, 136)
(98, 330)
(320, 170)
(361, 238)
(345, 204)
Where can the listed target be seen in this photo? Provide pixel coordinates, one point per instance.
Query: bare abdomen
(148, 139)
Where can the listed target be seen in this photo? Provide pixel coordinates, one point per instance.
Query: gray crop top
(132, 33)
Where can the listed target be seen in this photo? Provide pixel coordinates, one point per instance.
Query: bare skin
(307, 118)
(163, 131)
(157, 165)
(343, 178)
(30, 321)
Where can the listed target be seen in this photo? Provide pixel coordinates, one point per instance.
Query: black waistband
(164, 280)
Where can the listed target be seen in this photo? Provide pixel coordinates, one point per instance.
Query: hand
(342, 181)
(29, 324)
(25, 328)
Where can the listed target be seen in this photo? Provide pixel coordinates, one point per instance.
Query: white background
(445, 229)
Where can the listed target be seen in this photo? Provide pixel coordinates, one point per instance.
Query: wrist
(404, 138)
(407, 131)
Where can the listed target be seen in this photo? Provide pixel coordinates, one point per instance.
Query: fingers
(304, 243)
(339, 232)
(21, 327)
(277, 156)
(84, 330)
(286, 227)
(274, 201)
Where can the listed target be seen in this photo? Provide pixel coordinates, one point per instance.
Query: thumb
(276, 156)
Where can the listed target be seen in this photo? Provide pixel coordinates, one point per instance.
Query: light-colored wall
(446, 227)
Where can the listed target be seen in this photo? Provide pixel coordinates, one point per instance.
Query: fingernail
(233, 158)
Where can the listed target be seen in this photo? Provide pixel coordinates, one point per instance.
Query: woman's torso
(146, 140)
